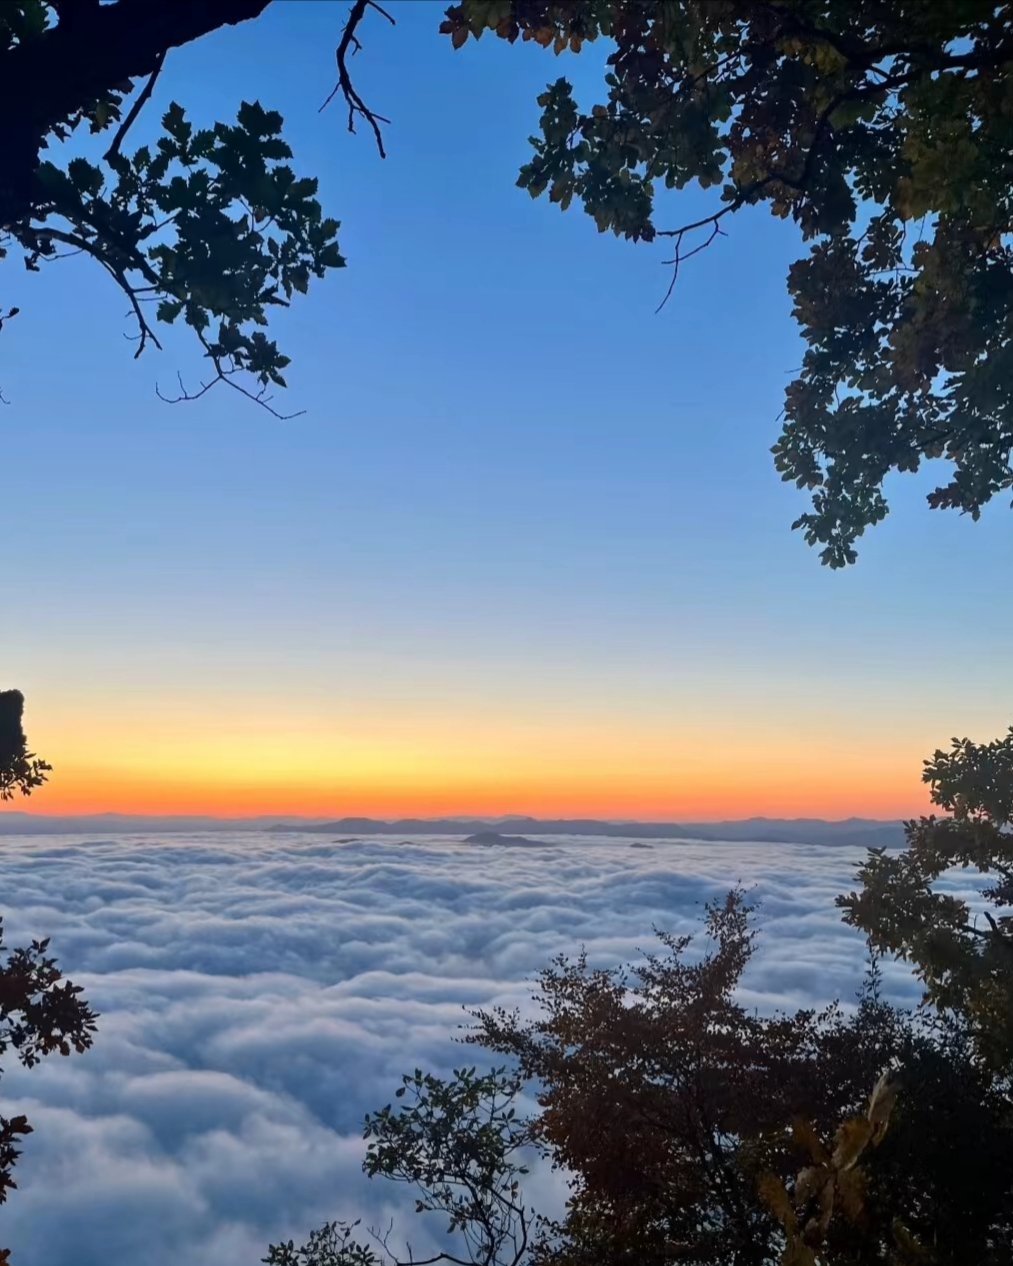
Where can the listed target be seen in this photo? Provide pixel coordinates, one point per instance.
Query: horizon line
(444, 817)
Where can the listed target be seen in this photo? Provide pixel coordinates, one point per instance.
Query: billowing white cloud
(259, 994)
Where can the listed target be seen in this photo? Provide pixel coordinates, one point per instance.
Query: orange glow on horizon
(169, 757)
(77, 791)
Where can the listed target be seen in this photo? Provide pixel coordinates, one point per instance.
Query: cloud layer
(259, 994)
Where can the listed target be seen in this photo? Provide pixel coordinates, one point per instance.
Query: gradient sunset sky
(525, 551)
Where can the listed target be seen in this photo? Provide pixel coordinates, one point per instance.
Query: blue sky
(522, 514)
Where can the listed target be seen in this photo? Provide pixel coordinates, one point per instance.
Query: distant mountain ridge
(861, 832)
(15, 822)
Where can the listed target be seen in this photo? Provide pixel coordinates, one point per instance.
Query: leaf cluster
(832, 1182)
(330, 1245)
(457, 1142)
(211, 226)
(21, 771)
(883, 131)
(40, 1014)
(208, 226)
(906, 907)
(672, 1105)
(23, 22)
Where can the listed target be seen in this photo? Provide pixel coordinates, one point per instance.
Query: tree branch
(52, 79)
(118, 274)
(861, 55)
(384, 1242)
(863, 58)
(225, 375)
(349, 43)
(135, 110)
(678, 257)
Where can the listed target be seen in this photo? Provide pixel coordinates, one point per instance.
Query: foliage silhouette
(21, 771)
(964, 958)
(883, 130)
(40, 1012)
(211, 226)
(692, 1130)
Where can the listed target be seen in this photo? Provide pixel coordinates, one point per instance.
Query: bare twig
(679, 257)
(135, 110)
(746, 194)
(144, 330)
(350, 43)
(383, 1241)
(133, 293)
(226, 376)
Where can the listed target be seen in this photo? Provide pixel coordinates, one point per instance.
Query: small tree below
(692, 1130)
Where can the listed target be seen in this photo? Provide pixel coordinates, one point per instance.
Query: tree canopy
(211, 226)
(883, 130)
(693, 1130)
(906, 905)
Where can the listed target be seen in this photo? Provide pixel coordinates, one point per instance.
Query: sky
(524, 551)
(259, 995)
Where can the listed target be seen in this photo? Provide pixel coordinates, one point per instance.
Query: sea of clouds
(260, 993)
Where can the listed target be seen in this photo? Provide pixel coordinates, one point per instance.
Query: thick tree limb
(142, 99)
(52, 79)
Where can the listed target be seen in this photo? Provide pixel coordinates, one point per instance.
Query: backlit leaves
(964, 959)
(211, 226)
(884, 132)
(831, 1186)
